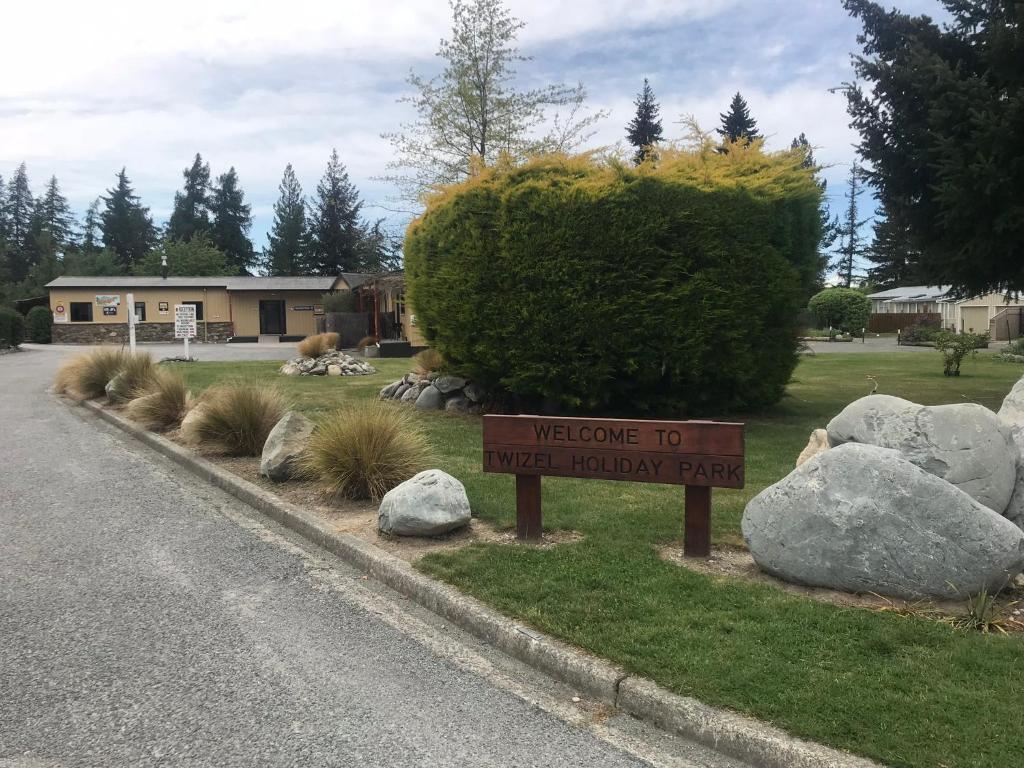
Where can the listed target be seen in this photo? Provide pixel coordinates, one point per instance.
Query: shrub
(85, 376)
(320, 344)
(915, 334)
(956, 347)
(844, 309)
(340, 301)
(673, 288)
(12, 327)
(427, 361)
(39, 325)
(366, 341)
(1015, 347)
(163, 403)
(365, 450)
(236, 418)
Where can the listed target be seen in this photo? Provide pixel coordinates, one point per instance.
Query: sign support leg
(186, 347)
(697, 530)
(528, 525)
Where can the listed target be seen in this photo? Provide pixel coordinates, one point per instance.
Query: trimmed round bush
(39, 325)
(574, 285)
(844, 309)
(12, 327)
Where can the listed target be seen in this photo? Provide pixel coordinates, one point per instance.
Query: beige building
(95, 309)
(899, 308)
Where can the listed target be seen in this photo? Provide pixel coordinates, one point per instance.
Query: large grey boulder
(965, 444)
(285, 443)
(1012, 413)
(430, 399)
(429, 504)
(449, 384)
(864, 519)
(411, 394)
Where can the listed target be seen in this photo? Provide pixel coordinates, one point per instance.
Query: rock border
(732, 734)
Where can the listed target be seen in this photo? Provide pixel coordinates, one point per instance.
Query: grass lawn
(906, 691)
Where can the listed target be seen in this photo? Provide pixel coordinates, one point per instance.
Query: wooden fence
(890, 322)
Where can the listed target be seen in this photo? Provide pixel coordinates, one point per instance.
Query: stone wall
(117, 333)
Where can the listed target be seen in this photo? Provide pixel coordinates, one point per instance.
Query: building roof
(913, 293)
(230, 283)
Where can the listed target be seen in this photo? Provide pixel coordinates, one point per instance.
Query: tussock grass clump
(236, 418)
(363, 451)
(366, 341)
(321, 343)
(85, 376)
(137, 372)
(162, 403)
(428, 361)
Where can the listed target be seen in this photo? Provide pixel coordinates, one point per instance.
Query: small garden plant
(957, 347)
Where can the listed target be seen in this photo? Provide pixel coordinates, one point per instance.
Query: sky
(92, 87)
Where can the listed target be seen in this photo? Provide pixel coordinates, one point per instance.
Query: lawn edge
(730, 733)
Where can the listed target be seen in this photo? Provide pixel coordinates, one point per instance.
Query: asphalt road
(148, 619)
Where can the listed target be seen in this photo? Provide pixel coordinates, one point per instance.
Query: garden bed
(903, 689)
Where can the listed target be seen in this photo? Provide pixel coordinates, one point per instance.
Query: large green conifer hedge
(586, 286)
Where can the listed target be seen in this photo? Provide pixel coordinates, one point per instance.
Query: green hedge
(844, 309)
(12, 327)
(39, 325)
(573, 285)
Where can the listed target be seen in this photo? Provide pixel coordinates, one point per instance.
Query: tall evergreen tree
(644, 130)
(54, 215)
(3, 214)
(380, 250)
(892, 255)
(127, 227)
(335, 227)
(737, 124)
(92, 234)
(851, 244)
(288, 249)
(232, 220)
(829, 224)
(191, 214)
(19, 240)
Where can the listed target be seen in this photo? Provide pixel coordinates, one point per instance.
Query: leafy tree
(472, 112)
(845, 309)
(737, 124)
(288, 249)
(851, 243)
(92, 234)
(127, 227)
(191, 214)
(829, 224)
(197, 256)
(335, 229)
(96, 263)
(644, 130)
(941, 120)
(19, 239)
(892, 255)
(232, 220)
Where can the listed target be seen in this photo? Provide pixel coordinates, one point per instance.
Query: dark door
(272, 317)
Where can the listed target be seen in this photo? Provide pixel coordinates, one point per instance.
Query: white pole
(186, 346)
(131, 322)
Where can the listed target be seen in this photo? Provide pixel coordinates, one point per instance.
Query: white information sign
(184, 321)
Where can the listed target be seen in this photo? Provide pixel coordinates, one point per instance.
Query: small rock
(430, 399)
(285, 443)
(334, 370)
(188, 424)
(290, 369)
(457, 404)
(449, 384)
(117, 390)
(410, 394)
(817, 444)
(429, 504)
(473, 392)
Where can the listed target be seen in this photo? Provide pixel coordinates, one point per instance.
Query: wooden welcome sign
(699, 455)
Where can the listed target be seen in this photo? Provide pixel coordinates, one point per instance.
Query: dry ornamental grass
(321, 343)
(162, 403)
(236, 418)
(85, 376)
(428, 361)
(363, 451)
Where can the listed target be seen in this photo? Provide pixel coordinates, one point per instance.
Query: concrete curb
(727, 732)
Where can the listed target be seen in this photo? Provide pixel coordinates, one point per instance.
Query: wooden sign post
(699, 455)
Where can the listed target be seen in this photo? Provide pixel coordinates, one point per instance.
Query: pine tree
(288, 249)
(737, 124)
(380, 250)
(232, 220)
(829, 225)
(191, 214)
(851, 248)
(54, 215)
(3, 214)
(19, 240)
(335, 227)
(92, 235)
(892, 254)
(127, 227)
(644, 130)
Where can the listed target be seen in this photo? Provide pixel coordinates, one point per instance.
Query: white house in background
(989, 313)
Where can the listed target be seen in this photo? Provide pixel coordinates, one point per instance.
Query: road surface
(148, 619)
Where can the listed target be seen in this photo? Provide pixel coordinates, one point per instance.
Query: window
(81, 311)
(140, 311)
(199, 308)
